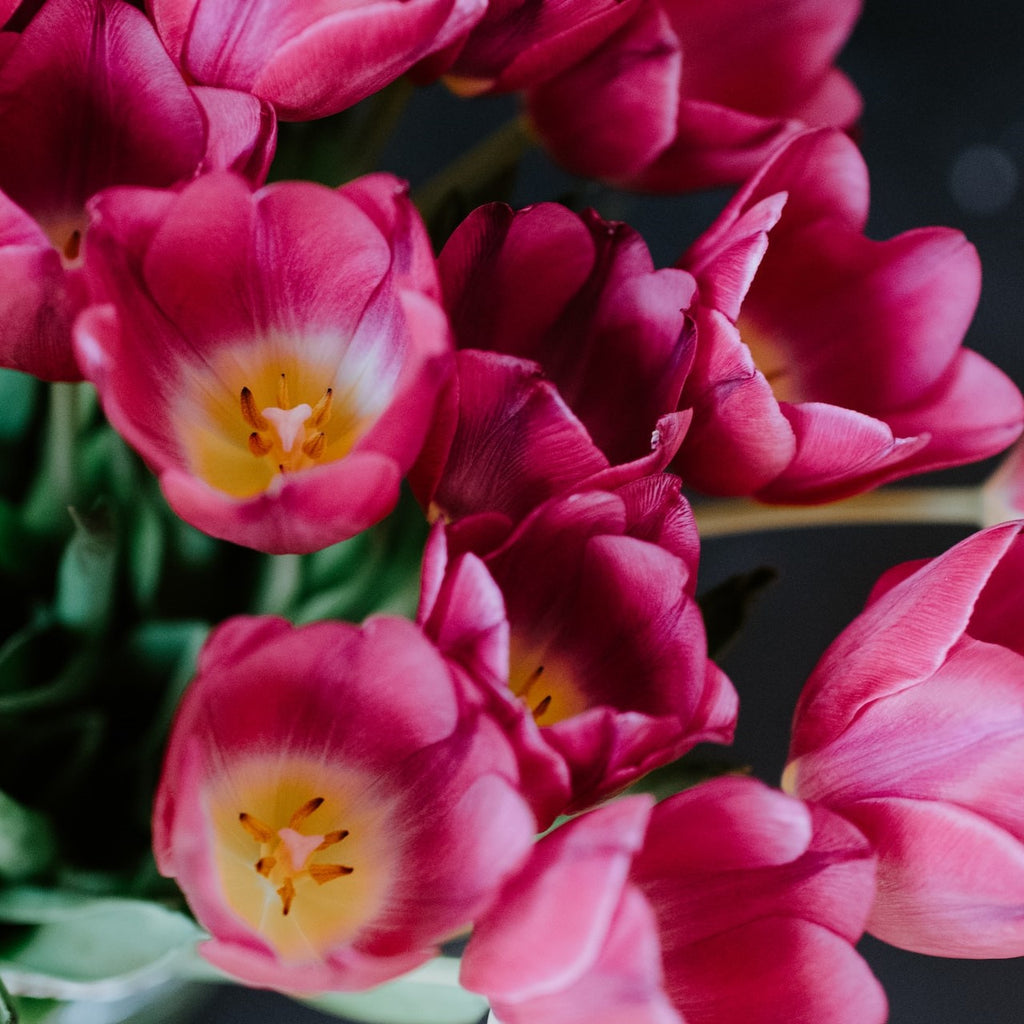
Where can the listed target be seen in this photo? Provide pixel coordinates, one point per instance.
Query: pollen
(286, 854)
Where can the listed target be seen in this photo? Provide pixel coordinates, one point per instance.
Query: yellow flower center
(253, 414)
(287, 854)
(304, 872)
(291, 437)
(545, 684)
(771, 358)
(65, 232)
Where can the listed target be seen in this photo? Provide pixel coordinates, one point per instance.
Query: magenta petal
(302, 75)
(241, 132)
(36, 302)
(838, 452)
(511, 49)
(90, 99)
(295, 519)
(516, 442)
(776, 972)
(974, 412)
(534, 941)
(611, 115)
(739, 440)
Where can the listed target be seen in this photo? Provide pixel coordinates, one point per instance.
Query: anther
(314, 446)
(265, 865)
(73, 246)
(332, 838)
(323, 873)
(287, 894)
(257, 829)
(282, 393)
(258, 444)
(250, 413)
(542, 707)
(322, 410)
(304, 811)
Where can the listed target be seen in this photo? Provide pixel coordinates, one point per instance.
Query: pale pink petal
(902, 638)
(950, 883)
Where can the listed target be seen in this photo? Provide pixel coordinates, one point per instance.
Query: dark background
(943, 135)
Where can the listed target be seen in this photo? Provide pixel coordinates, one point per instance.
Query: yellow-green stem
(958, 505)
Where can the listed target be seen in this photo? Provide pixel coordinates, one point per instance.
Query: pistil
(292, 437)
(285, 853)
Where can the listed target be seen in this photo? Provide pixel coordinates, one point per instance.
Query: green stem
(279, 585)
(500, 150)
(384, 111)
(958, 505)
(56, 486)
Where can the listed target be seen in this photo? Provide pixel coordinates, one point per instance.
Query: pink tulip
(309, 59)
(274, 357)
(605, 661)
(912, 727)
(580, 296)
(726, 903)
(89, 99)
(691, 94)
(828, 363)
(329, 807)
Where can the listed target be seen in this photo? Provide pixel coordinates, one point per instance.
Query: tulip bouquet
(355, 644)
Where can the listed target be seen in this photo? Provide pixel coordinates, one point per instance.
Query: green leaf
(8, 1013)
(725, 608)
(428, 995)
(85, 948)
(26, 841)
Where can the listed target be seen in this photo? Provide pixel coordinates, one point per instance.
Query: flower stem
(56, 485)
(485, 161)
(960, 505)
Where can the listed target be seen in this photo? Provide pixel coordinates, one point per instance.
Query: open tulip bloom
(360, 639)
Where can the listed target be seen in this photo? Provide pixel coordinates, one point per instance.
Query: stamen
(258, 444)
(265, 865)
(73, 246)
(304, 811)
(323, 873)
(261, 832)
(322, 410)
(287, 894)
(314, 446)
(542, 707)
(538, 672)
(250, 413)
(332, 838)
(282, 393)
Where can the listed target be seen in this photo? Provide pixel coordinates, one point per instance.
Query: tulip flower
(728, 902)
(690, 95)
(828, 363)
(328, 807)
(911, 726)
(504, 441)
(580, 296)
(89, 99)
(308, 60)
(606, 659)
(271, 356)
